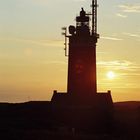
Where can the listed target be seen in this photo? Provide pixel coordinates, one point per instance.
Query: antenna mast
(94, 17)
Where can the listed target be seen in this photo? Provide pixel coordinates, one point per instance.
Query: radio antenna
(94, 17)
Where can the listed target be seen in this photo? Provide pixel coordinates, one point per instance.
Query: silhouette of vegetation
(33, 121)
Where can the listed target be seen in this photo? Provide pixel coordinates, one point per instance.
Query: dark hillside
(25, 115)
(127, 116)
(33, 121)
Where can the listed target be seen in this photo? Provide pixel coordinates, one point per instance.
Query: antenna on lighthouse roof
(94, 17)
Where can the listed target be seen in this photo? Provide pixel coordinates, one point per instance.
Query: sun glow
(111, 75)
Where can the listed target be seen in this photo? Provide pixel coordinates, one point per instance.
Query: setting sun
(111, 75)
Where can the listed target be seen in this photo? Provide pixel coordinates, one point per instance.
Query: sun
(110, 75)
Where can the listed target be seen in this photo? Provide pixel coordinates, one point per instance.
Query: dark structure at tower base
(95, 114)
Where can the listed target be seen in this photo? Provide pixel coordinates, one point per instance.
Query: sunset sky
(32, 61)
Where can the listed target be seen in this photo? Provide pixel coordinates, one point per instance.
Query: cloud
(119, 65)
(130, 8)
(111, 38)
(132, 35)
(45, 43)
(121, 15)
(79, 0)
(54, 62)
(42, 2)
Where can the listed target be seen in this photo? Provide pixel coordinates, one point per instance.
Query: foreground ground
(32, 121)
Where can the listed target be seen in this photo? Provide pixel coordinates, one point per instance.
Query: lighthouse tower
(82, 59)
(81, 103)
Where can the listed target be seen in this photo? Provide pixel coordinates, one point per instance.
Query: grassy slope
(31, 120)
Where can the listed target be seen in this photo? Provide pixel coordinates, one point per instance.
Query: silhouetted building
(82, 106)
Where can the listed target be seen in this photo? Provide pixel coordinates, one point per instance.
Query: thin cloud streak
(119, 65)
(121, 15)
(54, 62)
(132, 35)
(47, 43)
(111, 38)
(79, 0)
(130, 8)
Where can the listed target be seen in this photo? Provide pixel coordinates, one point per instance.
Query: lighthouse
(82, 59)
(82, 104)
